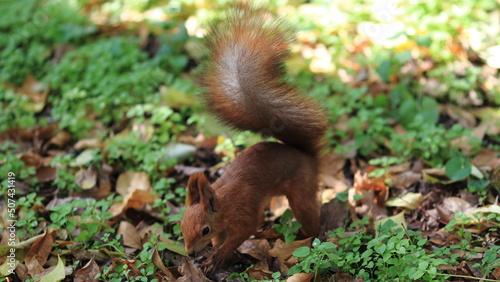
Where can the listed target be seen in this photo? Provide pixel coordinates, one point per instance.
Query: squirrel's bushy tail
(244, 80)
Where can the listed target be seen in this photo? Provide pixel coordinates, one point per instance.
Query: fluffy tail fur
(245, 85)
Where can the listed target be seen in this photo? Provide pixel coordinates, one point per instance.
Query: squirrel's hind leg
(306, 208)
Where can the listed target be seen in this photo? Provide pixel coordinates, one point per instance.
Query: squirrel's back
(244, 83)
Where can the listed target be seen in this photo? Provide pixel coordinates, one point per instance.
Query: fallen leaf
(465, 118)
(57, 274)
(496, 273)
(137, 199)
(278, 206)
(374, 194)
(88, 272)
(399, 219)
(450, 206)
(134, 271)
(130, 236)
(490, 116)
(333, 214)
(61, 139)
(257, 248)
(400, 168)
(86, 178)
(130, 181)
(38, 254)
(32, 159)
(173, 246)
(190, 273)
(284, 251)
(87, 144)
(300, 277)
(46, 174)
(486, 158)
(159, 263)
(84, 158)
(405, 179)
(409, 201)
(35, 90)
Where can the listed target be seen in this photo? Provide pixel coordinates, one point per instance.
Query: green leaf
(458, 168)
(175, 247)
(478, 185)
(301, 252)
(407, 112)
(57, 274)
(430, 110)
(380, 248)
(424, 40)
(384, 70)
(294, 269)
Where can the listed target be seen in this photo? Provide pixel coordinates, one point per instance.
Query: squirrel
(244, 86)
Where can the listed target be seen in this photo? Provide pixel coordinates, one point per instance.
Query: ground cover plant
(100, 128)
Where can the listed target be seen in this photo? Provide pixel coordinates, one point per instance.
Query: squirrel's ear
(193, 190)
(207, 194)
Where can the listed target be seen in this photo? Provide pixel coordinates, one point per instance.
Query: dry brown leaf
(131, 180)
(102, 255)
(333, 214)
(257, 248)
(103, 187)
(32, 159)
(284, 251)
(332, 164)
(87, 143)
(86, 178)
(259, 271)
(22, 272)
(190, 273)
(496, 274)
(465, 118)
(130, 236)
(61, 139)
(46, 174)
(159, 263)
(400, 168)
(134, 271)
(409, 201)
(154, 229)
(491, 117)
(136, 200)
(374, 192)
(405, 179)
(487, 158)
(336, 185)
(39, 253)
(35, 90)
(88, 272)
(278, 206)
(300, 277)
(450, 206)
(331, 174)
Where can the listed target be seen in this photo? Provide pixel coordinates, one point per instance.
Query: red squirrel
(245, 87)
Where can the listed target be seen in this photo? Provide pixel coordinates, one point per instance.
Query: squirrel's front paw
(212, 264)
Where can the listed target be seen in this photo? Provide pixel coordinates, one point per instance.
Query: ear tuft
(193, 190)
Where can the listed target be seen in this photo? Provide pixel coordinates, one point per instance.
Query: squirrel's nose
(190, 251)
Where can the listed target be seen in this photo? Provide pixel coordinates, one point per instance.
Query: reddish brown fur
(245, 88)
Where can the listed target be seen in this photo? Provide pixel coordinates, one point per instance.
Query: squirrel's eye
(205, 231)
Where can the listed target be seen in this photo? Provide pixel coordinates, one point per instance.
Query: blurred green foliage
(122, 72)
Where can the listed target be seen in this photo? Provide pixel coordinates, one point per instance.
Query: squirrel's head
(201, 221)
